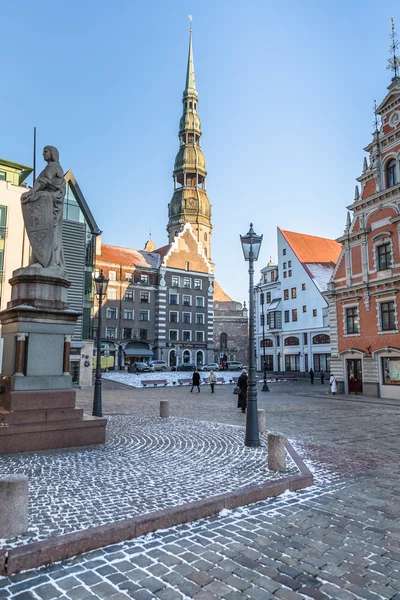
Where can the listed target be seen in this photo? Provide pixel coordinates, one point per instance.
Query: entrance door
(354, 376)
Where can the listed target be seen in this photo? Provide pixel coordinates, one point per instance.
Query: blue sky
(286, 92)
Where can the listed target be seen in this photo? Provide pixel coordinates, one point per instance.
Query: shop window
(391, 370)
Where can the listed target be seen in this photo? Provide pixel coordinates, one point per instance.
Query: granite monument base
(37, 404)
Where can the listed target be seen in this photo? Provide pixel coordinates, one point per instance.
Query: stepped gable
(186, 253)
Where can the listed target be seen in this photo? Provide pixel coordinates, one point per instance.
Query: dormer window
(391, 174)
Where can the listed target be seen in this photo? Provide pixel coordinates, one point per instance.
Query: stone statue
(42, 209)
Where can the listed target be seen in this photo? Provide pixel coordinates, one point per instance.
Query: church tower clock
(189, 203)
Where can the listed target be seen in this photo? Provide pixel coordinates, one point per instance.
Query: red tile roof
(312, 249)
(219, 294)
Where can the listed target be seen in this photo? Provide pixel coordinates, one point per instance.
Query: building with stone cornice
(364, 290)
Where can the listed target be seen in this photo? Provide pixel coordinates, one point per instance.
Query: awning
(138, 352)
(274, 304)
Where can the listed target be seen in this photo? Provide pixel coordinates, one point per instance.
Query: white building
(290, 297)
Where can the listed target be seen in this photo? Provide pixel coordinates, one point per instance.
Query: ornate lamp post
(101, 283)
(251, 244)
(265, 387)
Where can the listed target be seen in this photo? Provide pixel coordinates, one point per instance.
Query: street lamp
(251, 244)
(101, 283)
(265, 387)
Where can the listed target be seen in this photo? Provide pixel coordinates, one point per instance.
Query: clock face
(394, 119)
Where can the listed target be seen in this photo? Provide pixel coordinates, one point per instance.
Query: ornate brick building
(364, 291)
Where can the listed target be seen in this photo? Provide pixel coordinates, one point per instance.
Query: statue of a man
(42, 209)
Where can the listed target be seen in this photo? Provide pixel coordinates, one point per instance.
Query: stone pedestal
(37, 408)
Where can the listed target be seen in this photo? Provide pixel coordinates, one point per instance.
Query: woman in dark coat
(242, 384)
(196, 381)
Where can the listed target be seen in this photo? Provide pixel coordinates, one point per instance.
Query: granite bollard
(14, 505)
(164, 409)
(262, 424)
(276, 452)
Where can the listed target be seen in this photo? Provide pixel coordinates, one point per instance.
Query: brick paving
(338, 539)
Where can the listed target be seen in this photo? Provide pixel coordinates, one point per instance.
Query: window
(186, 317)
(294, 314)
(173, 317)
(144, 279)
(145, 297)
(268, 297)
(173, 298)
(144, 315)
(187, 266)
(128, 296)
(143, 334)
(127, 333)
(197, 284)
(111, 332)
(205, 236)
(3, 175)
(314, 312)
(387, 316)
(289, 263)
(284, 251)
(304, 308)
(286, 294)
(290, 273)
(187, 300)
(199, 336)
(224, 340)
(303, 286)
(266, 343)
(112, 294)
(351, 320)
(291, 341)
(322, 362)
(294, 292)
(187, 336)
(200, 301)
(128, 314)
(287, 317)
(274, 319)
(173, 335)
(284, 265)
(391, 174)
(205, 252)
(187, 282)
(175, 281)
(262, 321)
(292, 362)
(305, 338)
(384, 257)
(128, 276)
(111, 313)
(112, 275)
(284, 274)
(272, 275)
(199, 319)
(391, 371)
(321, 339)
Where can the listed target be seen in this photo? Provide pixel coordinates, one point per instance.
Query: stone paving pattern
(339, 539)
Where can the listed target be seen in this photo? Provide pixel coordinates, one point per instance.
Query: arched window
(199, 358)
(172, 358)
(224, 340)
(205, 236)
(190, 105)
(321, 339)
(291, 341)
(266, 343)
(391, 174)
(205, 252)
(186, 356)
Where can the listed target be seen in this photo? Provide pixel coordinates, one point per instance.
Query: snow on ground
(135, 380)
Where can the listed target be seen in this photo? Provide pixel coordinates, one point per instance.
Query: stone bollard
(276, 452)
(164, 409)
(262, 424)
(14, 505)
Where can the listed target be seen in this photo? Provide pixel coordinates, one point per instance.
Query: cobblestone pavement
(339, 539)
(147, 464)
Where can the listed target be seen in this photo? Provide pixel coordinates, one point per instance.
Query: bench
(154, 382)
(217, 380)
(185, 381)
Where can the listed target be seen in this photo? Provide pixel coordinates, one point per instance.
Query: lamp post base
(265, 387)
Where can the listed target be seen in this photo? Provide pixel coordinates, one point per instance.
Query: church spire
(190, 78)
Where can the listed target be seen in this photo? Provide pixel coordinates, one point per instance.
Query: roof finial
(394, 61)
(376, 121)
(356, 194)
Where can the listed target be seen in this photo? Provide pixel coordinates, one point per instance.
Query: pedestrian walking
(212, 381)
(311, 375)
(243, 384)
(196, 380)
(223, 365)
(333, 384)
(322, 375)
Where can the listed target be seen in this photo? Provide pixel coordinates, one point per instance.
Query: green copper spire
(190, 79)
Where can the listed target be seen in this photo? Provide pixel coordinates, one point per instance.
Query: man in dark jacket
(196, 380)
(242, 384)
(311, 375)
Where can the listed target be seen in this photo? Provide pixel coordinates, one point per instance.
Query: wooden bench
(185, 381)
(217, 380)
(154, 382)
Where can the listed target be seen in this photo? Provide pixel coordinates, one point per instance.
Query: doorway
(354, 376)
